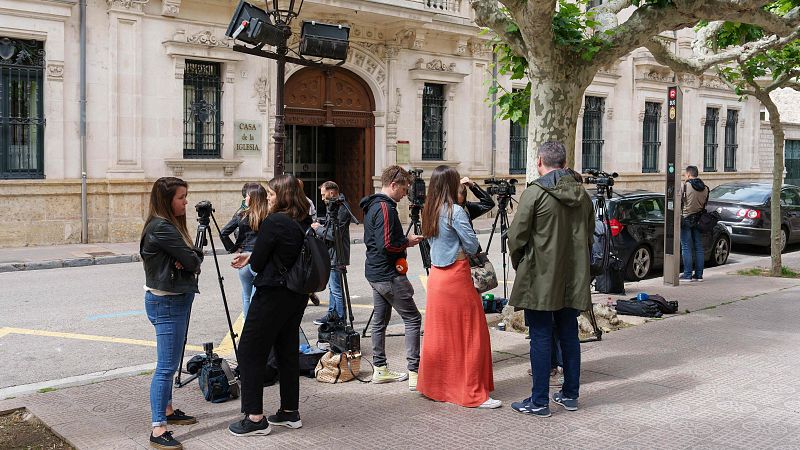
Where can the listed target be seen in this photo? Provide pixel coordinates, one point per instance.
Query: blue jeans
(541, 329)
(246, 276)
(170, 316)
(335, 294)
(692, 245)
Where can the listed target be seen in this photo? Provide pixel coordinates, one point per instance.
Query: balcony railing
(453, 6)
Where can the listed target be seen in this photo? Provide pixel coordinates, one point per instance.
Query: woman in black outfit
(474, 209)
(275, 311)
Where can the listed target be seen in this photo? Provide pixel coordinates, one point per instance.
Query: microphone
(240, 29)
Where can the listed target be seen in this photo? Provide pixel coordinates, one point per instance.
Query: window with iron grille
(21, 108)
(202, 99)
(518, 148)
(792, 160)
(433, 133)
(710, 140)
(651, 141)
(592, 153)
(730, 140)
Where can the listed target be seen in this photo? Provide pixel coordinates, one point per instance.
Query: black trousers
(272, 321)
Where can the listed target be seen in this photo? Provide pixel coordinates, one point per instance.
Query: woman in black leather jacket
(171, 266)
(275, 311)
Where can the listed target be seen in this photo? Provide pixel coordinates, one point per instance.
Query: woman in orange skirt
(456, 361)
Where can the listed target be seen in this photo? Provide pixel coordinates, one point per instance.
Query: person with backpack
(694, 195)
(171, 267)
(275, 311)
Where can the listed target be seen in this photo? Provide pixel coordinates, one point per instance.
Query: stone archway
(330, 122)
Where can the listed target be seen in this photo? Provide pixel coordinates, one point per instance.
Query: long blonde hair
(161, 196)
(258, 208)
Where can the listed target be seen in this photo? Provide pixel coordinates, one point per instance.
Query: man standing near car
(694, 195)
(385, 270)
(549, 241)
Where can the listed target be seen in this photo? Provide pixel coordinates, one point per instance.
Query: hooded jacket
(383, 236)
(549, 241)
(694, 199)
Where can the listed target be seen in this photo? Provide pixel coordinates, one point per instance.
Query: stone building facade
(167, 95)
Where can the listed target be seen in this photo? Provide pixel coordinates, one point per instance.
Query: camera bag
(217, 382)
(644, 308)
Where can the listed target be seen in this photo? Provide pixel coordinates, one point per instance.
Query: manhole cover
(100, 253)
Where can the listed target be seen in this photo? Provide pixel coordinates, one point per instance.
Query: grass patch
(46, 390)
(146, 372)
(786, 272)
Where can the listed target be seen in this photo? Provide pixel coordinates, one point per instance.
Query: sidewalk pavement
(13, 259)
(722, 377)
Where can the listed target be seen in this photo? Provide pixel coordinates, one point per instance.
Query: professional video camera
(416, 191)
(501, 187)
(341, 337)
(603, 180)
(204, 209)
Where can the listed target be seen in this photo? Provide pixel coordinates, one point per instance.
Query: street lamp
(257, 27)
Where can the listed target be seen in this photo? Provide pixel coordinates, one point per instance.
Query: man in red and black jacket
(386, 244)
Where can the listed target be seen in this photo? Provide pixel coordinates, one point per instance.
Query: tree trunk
(777, 180)
(555, 104)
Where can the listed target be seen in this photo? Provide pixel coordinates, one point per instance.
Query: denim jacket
(453, 236)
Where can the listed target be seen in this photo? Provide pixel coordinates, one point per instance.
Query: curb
(113, 259)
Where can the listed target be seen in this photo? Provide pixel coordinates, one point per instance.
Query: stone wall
(43, 212)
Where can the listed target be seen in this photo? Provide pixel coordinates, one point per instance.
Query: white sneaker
(491, 403)
(381, 374)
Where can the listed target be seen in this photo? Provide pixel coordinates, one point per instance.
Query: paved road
(73, 321)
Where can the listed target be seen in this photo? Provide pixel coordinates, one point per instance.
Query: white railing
(453, 6)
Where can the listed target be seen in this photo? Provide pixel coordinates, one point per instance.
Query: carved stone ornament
(712, 83)
(132, 5)
(392, 52)
(170, 8)
(689, 80)
(610, 113)
(208, 38)
(641, 116)
(55, 70)
(657, 75)
(419, 40)
(461, 47)
(436, 64)
(262, 92)
(479, 47)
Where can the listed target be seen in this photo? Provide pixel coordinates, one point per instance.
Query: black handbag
(644, 308)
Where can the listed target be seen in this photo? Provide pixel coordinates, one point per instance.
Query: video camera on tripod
(501, 187)
(416, 190)
(603, 180)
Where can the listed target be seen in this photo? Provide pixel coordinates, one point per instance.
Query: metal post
(280, 127)
(672, 226)
(82, 131)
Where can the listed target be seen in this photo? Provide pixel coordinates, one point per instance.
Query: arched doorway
(330, 132)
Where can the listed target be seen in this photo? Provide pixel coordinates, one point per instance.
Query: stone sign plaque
(247, 135)
(403, 152)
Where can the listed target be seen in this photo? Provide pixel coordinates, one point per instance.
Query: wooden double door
(330, 133)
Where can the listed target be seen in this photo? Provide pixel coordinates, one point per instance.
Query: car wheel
(784, 238)
(639, 263)
(720, 251)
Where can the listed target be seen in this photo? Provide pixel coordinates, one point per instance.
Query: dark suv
(744, 208)
(636, 220)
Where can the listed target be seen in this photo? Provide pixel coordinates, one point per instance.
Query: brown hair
(247, 186)
(394, 174)
(161, 196)
(329, 185)
(258, 208)
(462, 192)
(289, 197)
(442, 192)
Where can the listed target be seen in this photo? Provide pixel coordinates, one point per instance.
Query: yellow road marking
(226, 345)
(87, 337)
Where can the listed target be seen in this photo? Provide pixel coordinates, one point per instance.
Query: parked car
(636, 220)
(744, 208)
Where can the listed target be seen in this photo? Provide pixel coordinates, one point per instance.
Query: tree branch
(489, 15)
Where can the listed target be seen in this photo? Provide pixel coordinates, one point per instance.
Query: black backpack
(311, 271)
(217, 381)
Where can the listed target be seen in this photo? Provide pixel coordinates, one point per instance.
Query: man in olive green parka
(549, 240)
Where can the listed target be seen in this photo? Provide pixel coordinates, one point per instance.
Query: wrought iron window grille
(710, 140)
(22, 120)
(434, 136)
(202, 122)
(731, 142)
(592, 148)
(651, 141)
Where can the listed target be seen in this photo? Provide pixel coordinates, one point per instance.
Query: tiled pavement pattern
(724, 377)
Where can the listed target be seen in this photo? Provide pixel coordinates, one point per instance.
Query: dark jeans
(272, 321)
(541, 328)
(397, 294)
(692, 246)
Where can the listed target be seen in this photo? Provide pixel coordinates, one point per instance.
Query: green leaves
(573, 29)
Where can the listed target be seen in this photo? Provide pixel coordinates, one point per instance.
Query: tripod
(202, 238)
(502, 216)
(339, 266)
(601, 212)
(424, 251)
